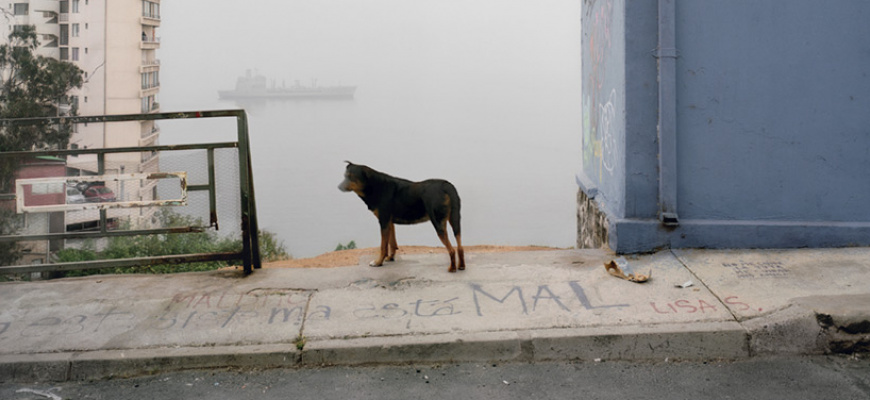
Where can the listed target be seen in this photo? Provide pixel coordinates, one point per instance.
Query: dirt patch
(351, 257)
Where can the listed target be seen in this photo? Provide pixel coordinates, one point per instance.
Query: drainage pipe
(667, 117)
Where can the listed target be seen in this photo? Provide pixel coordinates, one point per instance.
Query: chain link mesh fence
(72, 208)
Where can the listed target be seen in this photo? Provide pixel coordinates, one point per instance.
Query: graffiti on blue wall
(599, 100)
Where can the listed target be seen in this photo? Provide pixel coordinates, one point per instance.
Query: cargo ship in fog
(254, 87)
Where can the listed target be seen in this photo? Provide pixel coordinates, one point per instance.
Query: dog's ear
(348, 162)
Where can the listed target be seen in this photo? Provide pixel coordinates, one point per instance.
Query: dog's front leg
(391, 251)
(385, 242)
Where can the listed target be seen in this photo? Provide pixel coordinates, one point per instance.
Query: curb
(706, 341)
(93, 365)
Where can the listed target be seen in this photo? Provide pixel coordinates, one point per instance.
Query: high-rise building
(115, 43)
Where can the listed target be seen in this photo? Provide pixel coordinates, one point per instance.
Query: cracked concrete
(542, 305)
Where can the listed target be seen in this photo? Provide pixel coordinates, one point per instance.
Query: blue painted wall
(773, 122)
(604, 123)
(774, 110)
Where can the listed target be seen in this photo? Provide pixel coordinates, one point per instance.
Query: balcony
(150, 84)
(149, 42)
(150, 20)
(149, 135)
(149, 162)
(43, 5)
(150, 13)
(150, 108)
(149, 66)
(149, 91)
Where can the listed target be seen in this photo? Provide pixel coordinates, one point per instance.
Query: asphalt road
(834, 377)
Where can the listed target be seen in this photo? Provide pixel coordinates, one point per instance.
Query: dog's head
(355, 177)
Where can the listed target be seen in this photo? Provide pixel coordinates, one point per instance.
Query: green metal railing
(250, 253)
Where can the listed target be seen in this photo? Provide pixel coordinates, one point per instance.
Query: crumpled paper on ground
(620, 269)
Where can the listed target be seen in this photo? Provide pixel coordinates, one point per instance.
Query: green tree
(31, 86)
(34, 86)
(9, 251)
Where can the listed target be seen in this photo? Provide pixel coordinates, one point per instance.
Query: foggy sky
(485, 93)
(350, 41)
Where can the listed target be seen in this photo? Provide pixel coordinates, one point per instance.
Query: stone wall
(591, 223)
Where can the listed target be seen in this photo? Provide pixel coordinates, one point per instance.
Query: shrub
(350, 245)
(121, 247)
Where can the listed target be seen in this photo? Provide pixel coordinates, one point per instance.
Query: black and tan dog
(400, 201)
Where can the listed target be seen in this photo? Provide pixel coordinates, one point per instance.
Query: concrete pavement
(525, 306)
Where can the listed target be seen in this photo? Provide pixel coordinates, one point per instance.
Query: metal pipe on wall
(667, 113)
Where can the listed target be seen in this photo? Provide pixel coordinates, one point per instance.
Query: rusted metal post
(250, 242)
(212, 192)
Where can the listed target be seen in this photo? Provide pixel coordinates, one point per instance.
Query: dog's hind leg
(454, 218)
(441, 229)
(459, 252)
(393, 246)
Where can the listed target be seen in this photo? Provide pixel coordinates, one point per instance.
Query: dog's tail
(455, 206)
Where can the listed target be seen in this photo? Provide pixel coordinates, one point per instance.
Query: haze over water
(484, 93)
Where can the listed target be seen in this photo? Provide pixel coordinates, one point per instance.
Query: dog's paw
(374, 263)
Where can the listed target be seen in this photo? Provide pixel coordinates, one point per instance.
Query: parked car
(74, 196)
(99, 194)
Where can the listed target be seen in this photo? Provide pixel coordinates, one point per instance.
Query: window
(64, 53)
(75, 6)
(64, 6)
(64, 34)
(150, 80)
(47, 188)
(21, 8)
(146, 104)
(74, 32)
(151, 10)
(75, 53)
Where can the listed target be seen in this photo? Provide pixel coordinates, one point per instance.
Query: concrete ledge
(714, 340)
(793, 330)
(53, 367)
(696, 341)
(485, 346)
(125, 363)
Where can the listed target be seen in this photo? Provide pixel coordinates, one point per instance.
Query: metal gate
(61, 198)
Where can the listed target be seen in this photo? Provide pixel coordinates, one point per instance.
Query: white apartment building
(115, 43)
